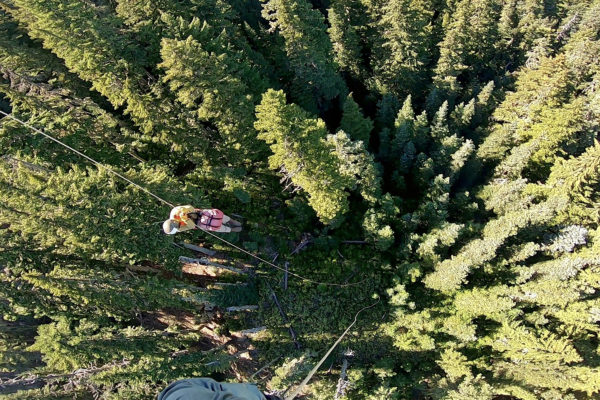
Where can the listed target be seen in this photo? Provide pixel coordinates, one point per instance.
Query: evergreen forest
(436, 159)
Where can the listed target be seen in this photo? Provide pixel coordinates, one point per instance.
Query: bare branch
(35, 381)
(199, 249)
(284, 317)
(241, 308)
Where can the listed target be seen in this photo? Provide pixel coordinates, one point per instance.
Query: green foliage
(452, 272)
(377, 222)
(290, 371)
(405, 47)
(354, 123)
(125, 355)
(467, 50)
(347, 19)
(440, 155)
(192, 71)
(308, 50)
(303, 154)
(56, 210)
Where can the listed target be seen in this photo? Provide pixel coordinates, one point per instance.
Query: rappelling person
(209, 389)
(184, 218)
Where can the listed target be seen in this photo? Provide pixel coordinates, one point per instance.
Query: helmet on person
(170, 227)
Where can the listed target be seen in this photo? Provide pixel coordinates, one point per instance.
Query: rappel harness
(207, 220)
(210, 220)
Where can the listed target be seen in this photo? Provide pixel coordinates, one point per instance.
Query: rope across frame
(167, 203)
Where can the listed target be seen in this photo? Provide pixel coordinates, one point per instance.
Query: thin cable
(87, 158)
(166, 202)
(316, 367)
(278, 267)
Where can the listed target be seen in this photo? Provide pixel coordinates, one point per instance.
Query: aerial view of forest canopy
(436, 160)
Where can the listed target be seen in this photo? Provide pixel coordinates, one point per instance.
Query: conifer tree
(577, 178)
(354, 123)
(346, 19)
(545, 87)
(217, 85)
(451, 273)
(378, 220)
(358, 164)
(387, 109)
(150, 21)
(128, 354)
(405, 130)
(116, 67)
(470, 119)
(308, 48)
(48, 21)
(467, 51)
(302, 154)
(559, 132)
(526, 29)
(40, 88)
(403, 53)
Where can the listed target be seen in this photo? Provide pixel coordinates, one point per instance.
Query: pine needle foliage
(442, 156)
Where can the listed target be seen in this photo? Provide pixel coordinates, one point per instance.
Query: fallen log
(205, 261)
(241, 308)
(199, 249)
(252, 331)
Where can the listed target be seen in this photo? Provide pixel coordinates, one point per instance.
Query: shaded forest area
(458, 139)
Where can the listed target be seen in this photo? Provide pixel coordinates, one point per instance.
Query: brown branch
(284, 317)
(302, 245)
(263, 368)
(15, 161)
(566, 29)
(343, 383)
(23, 382)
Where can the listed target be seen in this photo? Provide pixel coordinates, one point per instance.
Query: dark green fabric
(209, 389)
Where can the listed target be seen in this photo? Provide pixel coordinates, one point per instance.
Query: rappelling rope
(316, 367)
(87, 158)
(278, 267)
(322, 360)
(99, 165)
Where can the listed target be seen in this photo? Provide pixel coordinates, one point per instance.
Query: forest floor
(237, 343)
(303, 319)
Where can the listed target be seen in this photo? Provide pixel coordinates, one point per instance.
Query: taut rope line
(278, 267)
(165, 202)
(87, 158)
(322, 360)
